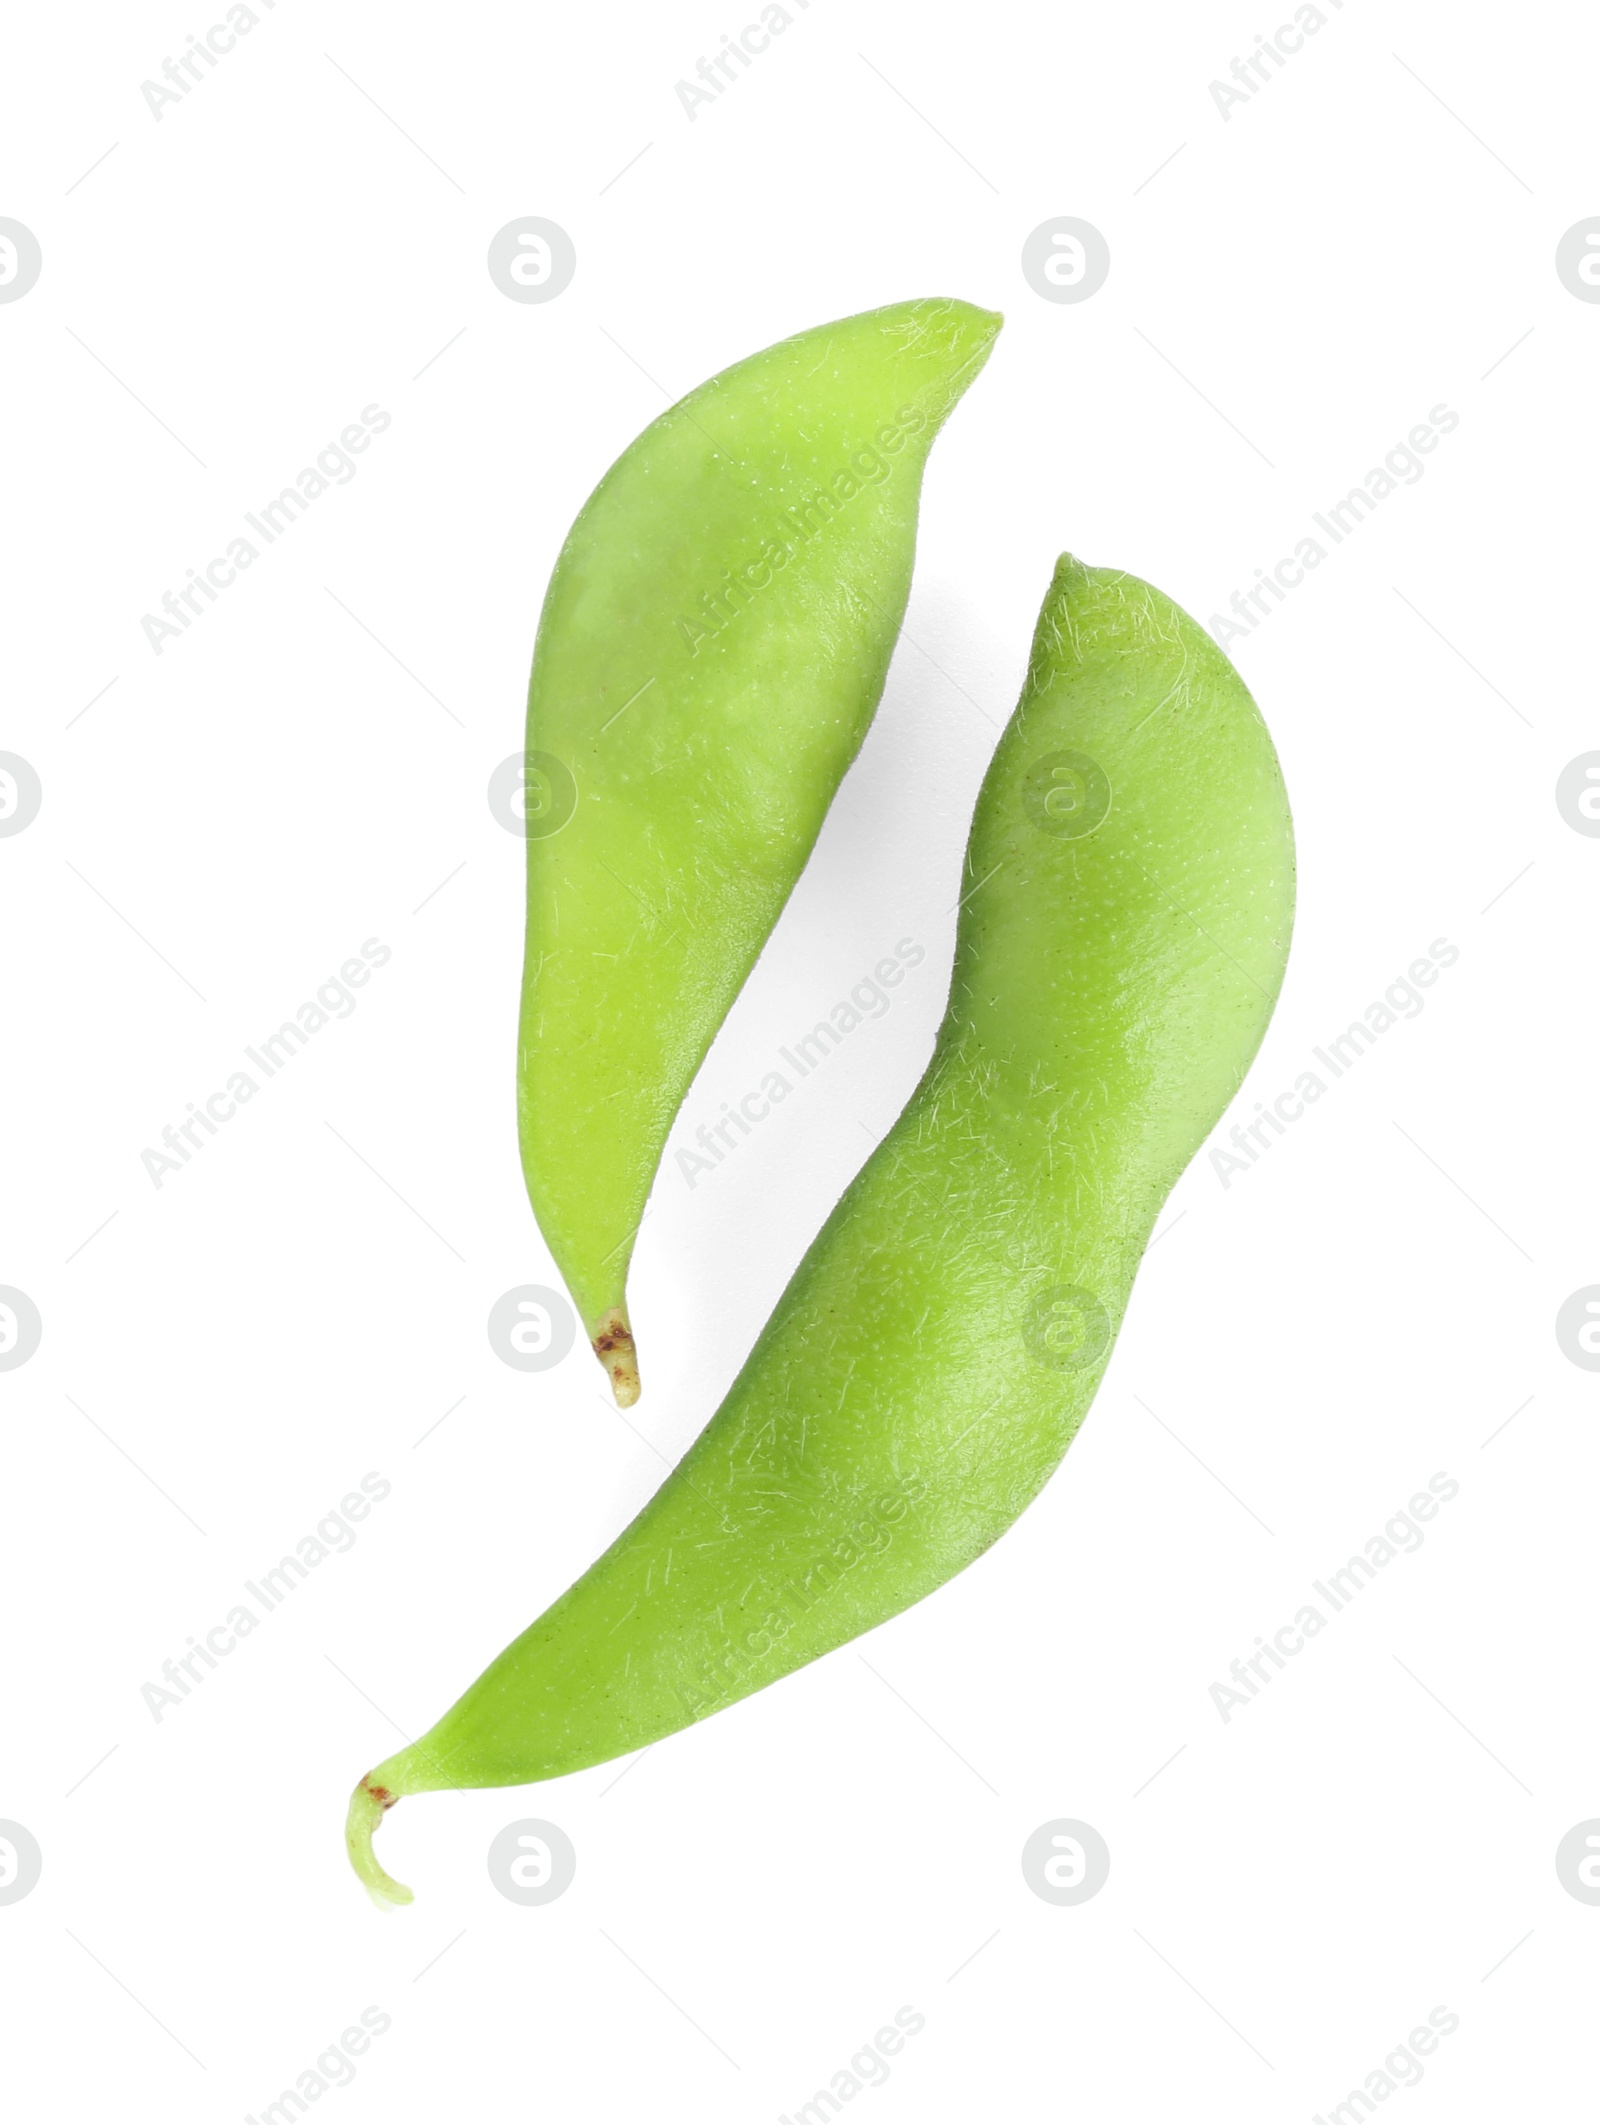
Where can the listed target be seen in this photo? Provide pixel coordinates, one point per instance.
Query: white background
(1291, 1891)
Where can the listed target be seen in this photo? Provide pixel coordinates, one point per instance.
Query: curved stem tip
(367, 1805)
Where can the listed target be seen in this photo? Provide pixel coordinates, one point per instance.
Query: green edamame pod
(1128, 900)
(712, 647)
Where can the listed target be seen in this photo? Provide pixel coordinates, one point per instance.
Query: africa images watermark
(183, 73)
(868, 2069)
(334, 2068)
(799, 523)
(1270, 56)
(735, 57)
(713, 1675)
(1400, 1533)
(1402, 466)
(333, 1000)
(333, 1532)
(868, 999)
(1401, 999)
(1403, 2068)
(336, 463)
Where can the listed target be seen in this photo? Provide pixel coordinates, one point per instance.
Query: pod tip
(367, 1807)
(614, 1347)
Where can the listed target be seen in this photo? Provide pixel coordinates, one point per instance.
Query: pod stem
(614, 1347)
(368, 1804)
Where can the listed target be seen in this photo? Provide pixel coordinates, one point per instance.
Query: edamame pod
(712, 647)
(1125, 923)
